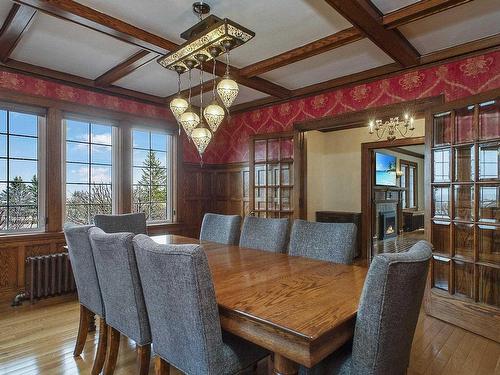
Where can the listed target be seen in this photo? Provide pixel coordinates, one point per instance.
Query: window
(409, 182)
(89, 170)
(21, 185)
(152, 175)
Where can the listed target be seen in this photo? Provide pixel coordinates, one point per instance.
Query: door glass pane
(286, 199)
(489, 120)
(441, 165)
(464, 202)
(464, 240)
(273, 149)
(464, 163)
(464, 279)
(273, 199)
(260, 150)
(489, 285)
(442, 129)
(441, 273)
(441, 237)
(286, 148)
(260, 198)
(441, 196)
(489, 244)
(260, 175)
(464, 119)
(489, 203)
(273, 174)
(286, 174)
(489, 161)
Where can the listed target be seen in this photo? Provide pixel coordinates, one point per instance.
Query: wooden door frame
(367, 184)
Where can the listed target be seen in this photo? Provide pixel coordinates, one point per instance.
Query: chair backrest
(83, 266)
(120, 284)
(130, 223)
(388, 311)
(181, 304)
(264, 234)
(224, 229)
(334, 242)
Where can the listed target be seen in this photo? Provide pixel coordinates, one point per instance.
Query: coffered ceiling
(300, 47)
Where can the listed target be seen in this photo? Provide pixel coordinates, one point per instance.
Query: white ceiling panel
(245, 95)
(152, 79)
(280, 25)
(465, 23)
(5, 7)
(349, 59)
(67, 47)
(387, 6)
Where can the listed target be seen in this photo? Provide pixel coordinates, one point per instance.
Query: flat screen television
(385, 169)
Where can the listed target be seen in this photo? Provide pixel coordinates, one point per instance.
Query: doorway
(393, 194)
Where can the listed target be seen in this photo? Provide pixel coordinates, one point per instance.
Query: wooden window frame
(409, 164)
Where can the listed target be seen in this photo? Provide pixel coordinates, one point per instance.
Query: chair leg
(161, 367)
(92, 327)
(144, 354)
(83, 329)
(112, 351)
(100, 354)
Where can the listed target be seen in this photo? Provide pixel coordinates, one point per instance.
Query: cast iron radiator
(48, 275)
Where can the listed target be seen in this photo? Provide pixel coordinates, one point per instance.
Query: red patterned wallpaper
(455, 80)
(49, 89)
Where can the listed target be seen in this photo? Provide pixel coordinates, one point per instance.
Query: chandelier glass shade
(201, 137)
(207, 40)
(228, 90)
(392, 127)
(189, 121)
(178, 106)
(214, 115)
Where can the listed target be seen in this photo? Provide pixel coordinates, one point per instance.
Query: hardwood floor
(40, 339)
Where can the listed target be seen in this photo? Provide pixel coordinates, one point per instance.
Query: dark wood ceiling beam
(418, 10)
(124, 68)
(75, 12)
(308, 50)
(73, 80)
(16, 23)
(364, 16)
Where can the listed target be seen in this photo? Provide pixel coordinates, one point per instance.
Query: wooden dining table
(298, 308)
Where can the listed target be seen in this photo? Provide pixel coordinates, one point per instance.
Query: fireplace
(387, 225)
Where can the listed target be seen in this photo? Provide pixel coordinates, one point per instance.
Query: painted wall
(334, 168)
(457, 79)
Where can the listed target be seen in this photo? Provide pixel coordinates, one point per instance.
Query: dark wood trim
(16, 23)
(407, 152)
(87, 110)
(367, 187)
(359, 118)
(126, 67)
(53, 171)
(262, 85)
(76, 81)
(366, 17)
(72, 11)
(418, 10)
(319, 46)
(409, 164)
(375, 74)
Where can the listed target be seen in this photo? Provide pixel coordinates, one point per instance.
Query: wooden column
(125, 168)
(53, 154)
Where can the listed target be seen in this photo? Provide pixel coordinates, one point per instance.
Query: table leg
(284, 366)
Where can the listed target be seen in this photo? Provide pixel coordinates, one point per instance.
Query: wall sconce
(399, 173)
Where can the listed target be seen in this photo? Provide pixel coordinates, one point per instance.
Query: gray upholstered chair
(387, 316)
(264, 234)
(224, 229)
(131, 223)
(181, 304)
(334, 242)
(122, 295)
(89, 291)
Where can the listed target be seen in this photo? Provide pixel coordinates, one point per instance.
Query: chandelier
(392, 127)
(211, 38)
